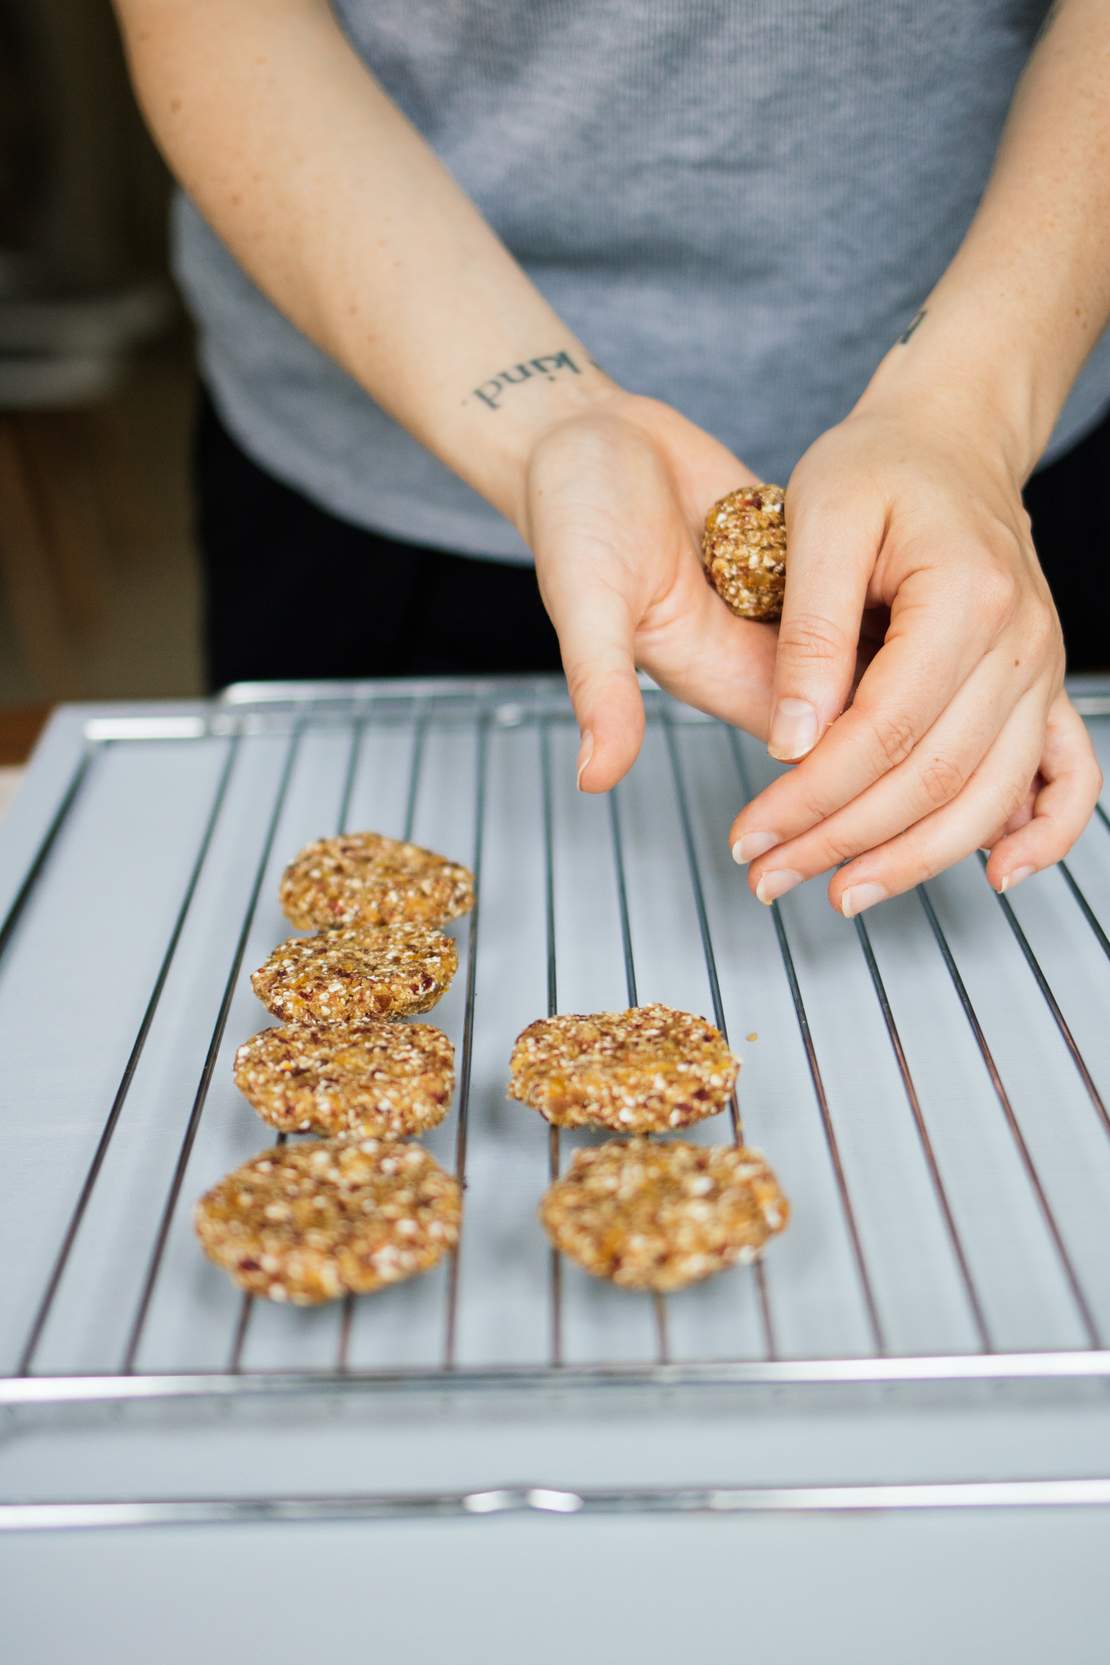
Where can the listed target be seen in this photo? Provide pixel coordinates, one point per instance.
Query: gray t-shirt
(737, 205)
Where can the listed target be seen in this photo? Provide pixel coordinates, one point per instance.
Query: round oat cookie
(660, 1216)
(641, 1071)
(367, 879)
(379, 1079)
(744, 550)
(345, 976)
(309, 1222)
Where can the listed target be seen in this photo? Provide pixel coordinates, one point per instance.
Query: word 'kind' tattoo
(913, 325)
(548, 365)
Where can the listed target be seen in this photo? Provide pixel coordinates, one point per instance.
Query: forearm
(342, 214)
(1008, 327)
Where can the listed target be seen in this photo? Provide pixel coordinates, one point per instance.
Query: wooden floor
(98, 583)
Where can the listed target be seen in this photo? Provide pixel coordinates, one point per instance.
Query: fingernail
(585, 752)
(776, 883)
(1015, 878)
(793, 730)
(858, 897)
(753, 844)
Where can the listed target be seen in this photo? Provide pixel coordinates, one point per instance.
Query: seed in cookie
(642, 1071)
(312, 1221)
(344, 976)
(743, 550)
(365, 878)
(661, 1216)
(378, 1079)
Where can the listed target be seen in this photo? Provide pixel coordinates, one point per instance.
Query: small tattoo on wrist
(913, 325)
(547, 366)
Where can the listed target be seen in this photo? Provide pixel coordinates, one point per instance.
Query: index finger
(934, 641)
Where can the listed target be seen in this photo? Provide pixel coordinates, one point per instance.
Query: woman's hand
(613, 505)
(959, 735)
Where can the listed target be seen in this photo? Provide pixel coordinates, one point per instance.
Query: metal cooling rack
(929, 1081)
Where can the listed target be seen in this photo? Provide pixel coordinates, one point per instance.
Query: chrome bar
(200, 1097)
(553, 1152)
(1008, 1111)
(84, 1196)
(46, 844)
(616, 835)
(823, 1106)
(466, 1061)
(1085, 907)
(420, 730)
(698, 890)
(927, 1150)
(1078, 1365)
(1075, 1492)
(1053, 1005)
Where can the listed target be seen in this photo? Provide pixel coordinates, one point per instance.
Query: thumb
(830, 554)
(595, 630)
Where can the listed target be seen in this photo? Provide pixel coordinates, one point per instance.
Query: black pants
(293, 591)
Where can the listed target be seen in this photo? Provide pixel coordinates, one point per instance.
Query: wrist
(503, 419)
(971, 384)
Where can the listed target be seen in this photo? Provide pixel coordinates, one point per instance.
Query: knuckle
(996, 593)
(835, 849)
(808, 639)
(942, 779)
(895, 735)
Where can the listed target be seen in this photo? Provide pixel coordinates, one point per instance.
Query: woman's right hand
(613, 503)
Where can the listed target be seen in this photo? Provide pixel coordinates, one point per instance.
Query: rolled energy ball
(645, 1070)
(378, 1079)
(310, 1222)
(344, 976)
(743, 550)
(367, 879)
(661, 1216)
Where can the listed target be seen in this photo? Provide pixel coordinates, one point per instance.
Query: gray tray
(929, 1083)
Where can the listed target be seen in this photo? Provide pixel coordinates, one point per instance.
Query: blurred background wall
(98, 591)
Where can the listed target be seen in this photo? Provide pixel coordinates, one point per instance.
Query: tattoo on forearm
(915, 323)
(547, 366)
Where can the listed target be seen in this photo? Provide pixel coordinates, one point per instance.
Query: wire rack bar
(828, 1127)
(247, 1304)
(1053, 1005)
(554, 1155)
(1081, 1366)
(77, 1214)
(200, 1097)
(1085, 907)
(46, 844)
(467, 1058)
(616, 832)
(1051, 1224)
(956, 1242)
(698, 890)
(419, 735)
(1078, 1492)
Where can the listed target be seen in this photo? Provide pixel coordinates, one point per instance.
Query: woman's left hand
(959, 735)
